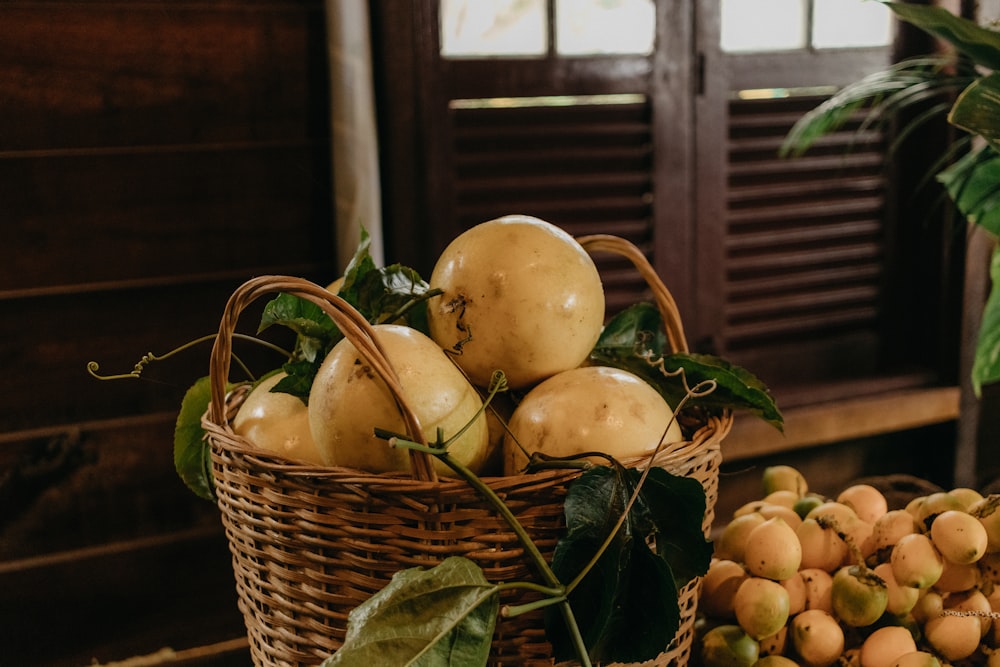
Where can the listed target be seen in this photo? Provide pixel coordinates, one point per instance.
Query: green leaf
(986, 366)
(973, 183)
(637, 332)
(316, 331)
(391, 294)
(443, 616)
(980, 44)
(977, 109)
(626, 606)
(192, 454)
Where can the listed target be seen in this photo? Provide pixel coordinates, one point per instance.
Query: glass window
(838, 24)
(587, 27)
(493, 28)
(781, 25)
(763, 25)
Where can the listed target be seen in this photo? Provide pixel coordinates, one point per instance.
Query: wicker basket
(310, 543)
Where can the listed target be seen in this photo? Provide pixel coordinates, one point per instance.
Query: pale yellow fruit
(974, 602)
(885, 646)
(277, 422)
(901, 599)
(589, 409)
(953, 637)
(519, 295)
(784, 477)
(770, 511)
(821, 546)
(859, 597)
(858, 533)
(731, 543)
(956, 578)
(929, 605)
(796, 588)
(807, 503)
(728, 646)
(867, 502)
(986, 510)
(775, 660)
(891, 526)
(917, 659)
(819, 587)
(784, 497)
(916, 561)
(968, 497)
(348, 401)
(817, 638)
(761, 607)
(837, 515)
(774, 645)
(933, 505)
(718, 587)
(959, 536)
(772, 550)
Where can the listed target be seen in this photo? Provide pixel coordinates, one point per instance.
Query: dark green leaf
(973, 183)
(637, 328)
(986, 367)
(391, 294)
(299, 378)
(192, 454)
(636, 332)
(316, 331)
(627, 607)
(438, 617)
(977, 109)
(979, 43)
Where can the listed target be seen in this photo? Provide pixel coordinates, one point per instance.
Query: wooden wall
(153, 155)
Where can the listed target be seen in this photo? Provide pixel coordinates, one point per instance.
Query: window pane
(847, 23)
(605, 26)
(493, 28)
(763, 25)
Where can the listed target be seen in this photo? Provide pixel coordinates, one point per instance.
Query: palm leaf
(977, 109)
(980, 44)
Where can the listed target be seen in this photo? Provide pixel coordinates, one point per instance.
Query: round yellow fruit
(589, 409)
(817, 638)
(277, 422)
(348, 401)
(867, 502)
(959, 536)
(772, 550)
(719, 586)
(761, 607)
(519, 295)
(728, 646)
(886, 645)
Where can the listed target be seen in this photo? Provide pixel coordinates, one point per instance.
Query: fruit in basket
(349, 400)
(589, 409)
(519, 295)
(276, 421)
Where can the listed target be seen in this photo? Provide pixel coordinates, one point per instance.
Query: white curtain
(356, 186)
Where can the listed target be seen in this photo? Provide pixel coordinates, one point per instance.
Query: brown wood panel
(94, 483)
(94, 218)
(127, 599)
(47, 343)
(100, 74)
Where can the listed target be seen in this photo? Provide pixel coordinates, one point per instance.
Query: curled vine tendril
(93, 367)
(703, 388)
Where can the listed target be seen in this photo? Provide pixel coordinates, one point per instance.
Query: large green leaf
(636, 334)
(438, 617)
(192, 454)
(973, 183)
(977, 109)
(986, 366)
(627, 605)
(980, 44)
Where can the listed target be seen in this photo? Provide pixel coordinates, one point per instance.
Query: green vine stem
(93, 367)
(440, 450)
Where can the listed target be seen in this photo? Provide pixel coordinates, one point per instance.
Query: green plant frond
(913, 125)
(906, 82)
(978, 43)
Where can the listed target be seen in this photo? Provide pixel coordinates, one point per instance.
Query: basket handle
(664, 299)
(350, 322)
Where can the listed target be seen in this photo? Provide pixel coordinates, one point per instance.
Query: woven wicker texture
(310, 543)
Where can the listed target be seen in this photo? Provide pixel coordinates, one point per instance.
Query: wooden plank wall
(153, 155)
